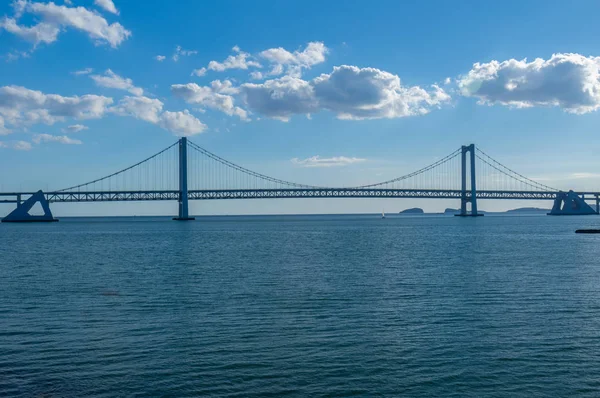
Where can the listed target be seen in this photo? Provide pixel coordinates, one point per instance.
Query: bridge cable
(528, 181)
(245, 170)
(120, 171)
(414, 173)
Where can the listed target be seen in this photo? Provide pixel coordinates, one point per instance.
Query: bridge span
(172, 174)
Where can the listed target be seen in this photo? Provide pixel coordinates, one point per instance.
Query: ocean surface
(308, 306)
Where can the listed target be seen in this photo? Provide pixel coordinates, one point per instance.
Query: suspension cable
(120, 171)
(523, 179)
(414, 173)
(245, 170)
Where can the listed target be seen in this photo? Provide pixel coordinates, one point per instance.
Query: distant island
(414, 210)
(527, 210)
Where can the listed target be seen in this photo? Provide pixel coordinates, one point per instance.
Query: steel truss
(220, 194)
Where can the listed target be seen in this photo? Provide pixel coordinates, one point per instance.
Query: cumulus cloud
(150, 110)
(280, 60)
(568, 81)
(183, 124)
(369, 93)
(144, 108)
(62, 139)
(180, 52)
(17, 145)
(242, 60)
(80, 18)
(111, 80)
(218, 96)
(75, 128)
(348, 91)
(160, 58)
(107, 5)
(317, 161)
(313, 54)
(281, 98)
(20, 106)
(36, 34)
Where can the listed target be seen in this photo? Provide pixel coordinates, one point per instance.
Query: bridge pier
(21, 213)
(464, 198)
(183, 189)
(570, 204)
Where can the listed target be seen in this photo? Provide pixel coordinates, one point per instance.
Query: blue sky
(392, 83)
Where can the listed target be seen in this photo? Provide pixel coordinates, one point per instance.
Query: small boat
(587, 231)
(382, 214)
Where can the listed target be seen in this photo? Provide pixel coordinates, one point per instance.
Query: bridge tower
(183, 189)
(464, 198)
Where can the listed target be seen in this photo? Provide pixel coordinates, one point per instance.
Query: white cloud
(111, 80)
(281, 98)
(280, 59)
(199, 72)
(17, 145)
(348, 91)
(62, 139)
(150, 110)
(20, 106)
(81, 19)
(369, 93)
(75, 128)
(19, 7)
(3, 129)
(14, 55)
(160, 58)
(179, 52)
(224, 87)
(22, 145)
(313, 54)
(317, 161)
(107, 5)
(241, 60)
(85, 71)
(218, 96)
(183, 124)
(568, 81)
(144, 108)
(36, 34)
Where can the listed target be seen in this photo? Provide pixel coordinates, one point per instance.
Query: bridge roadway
(220, 194)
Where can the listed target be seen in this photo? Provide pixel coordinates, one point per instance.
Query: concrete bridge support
(464, 199)
(570, 204)
(21, 213)
(183, 188)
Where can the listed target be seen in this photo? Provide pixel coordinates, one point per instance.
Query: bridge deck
(220, 194)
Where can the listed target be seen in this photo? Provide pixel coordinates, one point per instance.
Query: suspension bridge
(185, 171)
